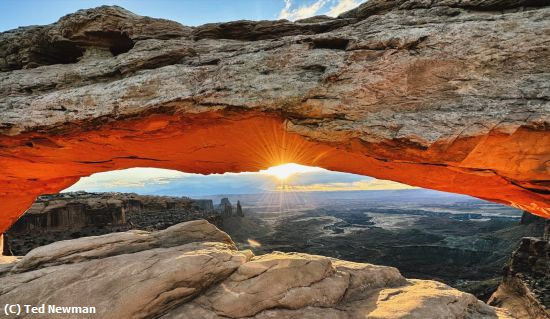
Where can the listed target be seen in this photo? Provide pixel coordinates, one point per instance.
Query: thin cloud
(364, 185)
(342, 6)
(302, 12)
(127, 178)
(331, 8)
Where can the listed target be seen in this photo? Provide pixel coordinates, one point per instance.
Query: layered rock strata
(451, 95)
(194, 270)
(71, 211)
(78, 214)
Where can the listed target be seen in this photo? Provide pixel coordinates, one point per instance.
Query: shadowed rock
(525, 287)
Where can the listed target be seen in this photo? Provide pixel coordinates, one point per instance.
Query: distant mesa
(205, 204)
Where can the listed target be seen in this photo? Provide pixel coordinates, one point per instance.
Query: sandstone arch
(439, 96)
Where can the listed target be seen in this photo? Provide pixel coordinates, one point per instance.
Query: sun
(284, 171)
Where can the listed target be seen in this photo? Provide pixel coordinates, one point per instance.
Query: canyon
(459, 241)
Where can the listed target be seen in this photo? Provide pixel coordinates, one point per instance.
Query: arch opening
(224, 141)
(292, 207)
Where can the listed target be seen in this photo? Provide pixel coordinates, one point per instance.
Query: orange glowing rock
(215, 143)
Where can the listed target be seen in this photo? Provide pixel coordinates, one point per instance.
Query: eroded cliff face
(449, 95)
(73, 210)
(193, 270)
(525, 287)
(78, 214)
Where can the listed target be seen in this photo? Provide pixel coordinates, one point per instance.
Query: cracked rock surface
(178, 273)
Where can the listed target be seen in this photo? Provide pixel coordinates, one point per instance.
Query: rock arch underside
(448, 95)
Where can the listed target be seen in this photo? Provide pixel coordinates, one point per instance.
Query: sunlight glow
(253, 243)
(284, 171)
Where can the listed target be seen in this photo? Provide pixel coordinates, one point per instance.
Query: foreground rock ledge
(193, 270)
(452, 95)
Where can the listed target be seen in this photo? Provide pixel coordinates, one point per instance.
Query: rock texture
(525, 287)
(77, 214)
(74, 210)
(239, 211)
(225, 207)
(450, 94)
(193, 270)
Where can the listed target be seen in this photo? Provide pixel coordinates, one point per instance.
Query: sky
(15, 13)
(291, 177)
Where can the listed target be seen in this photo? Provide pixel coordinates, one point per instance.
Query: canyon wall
(450, 95)
(72, 215)
(71, 211)
(525, 287)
